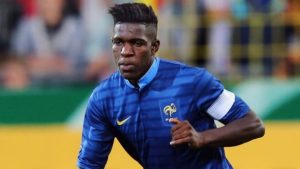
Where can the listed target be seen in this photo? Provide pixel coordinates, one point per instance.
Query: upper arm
(217, 102)
(97, 137)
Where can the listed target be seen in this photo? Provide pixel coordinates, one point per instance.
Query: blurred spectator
(180, 36)
(290, 65)
(201, 34)
(66, 41)
(219, 39)
(241, 35)
(97, 23)
(73, 7)
(52, 44)
(175, 28)
(28, 6)
(10, 13)
(13, 73)
(263, 7)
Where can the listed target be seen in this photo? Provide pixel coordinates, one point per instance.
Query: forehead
(134, 30)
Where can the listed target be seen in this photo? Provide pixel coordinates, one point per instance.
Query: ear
(155, 46)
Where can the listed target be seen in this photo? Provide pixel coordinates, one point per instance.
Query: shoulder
(166, 64)
(183, 68)
(27, 23)
(107, 86)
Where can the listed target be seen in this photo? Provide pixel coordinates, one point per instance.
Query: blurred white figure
(219, 36)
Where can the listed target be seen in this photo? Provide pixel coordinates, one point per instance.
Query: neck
(134, 83)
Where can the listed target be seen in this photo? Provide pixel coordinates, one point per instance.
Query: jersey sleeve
(216, 101)
(97, 137)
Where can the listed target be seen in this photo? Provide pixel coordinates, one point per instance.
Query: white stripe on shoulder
(222, 105)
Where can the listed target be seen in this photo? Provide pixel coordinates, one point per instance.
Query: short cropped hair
(133, 13)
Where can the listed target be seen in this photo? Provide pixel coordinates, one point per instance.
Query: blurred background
(54, 52)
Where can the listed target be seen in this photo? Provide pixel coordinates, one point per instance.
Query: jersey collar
(148, 76)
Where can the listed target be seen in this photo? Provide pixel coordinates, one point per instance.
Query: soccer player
(161, 111)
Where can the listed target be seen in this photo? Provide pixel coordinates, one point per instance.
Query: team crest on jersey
(169, 109)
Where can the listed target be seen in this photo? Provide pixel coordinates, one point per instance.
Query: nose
(127, 50)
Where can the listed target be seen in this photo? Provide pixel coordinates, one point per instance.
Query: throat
(134, 83)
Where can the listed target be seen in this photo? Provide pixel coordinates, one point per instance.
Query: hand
(45, 65)
(184, 133)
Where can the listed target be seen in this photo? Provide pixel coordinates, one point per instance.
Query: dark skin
(232, 134)
(134, 48)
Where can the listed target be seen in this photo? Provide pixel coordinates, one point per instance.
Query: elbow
(255, 127)
(259, 129)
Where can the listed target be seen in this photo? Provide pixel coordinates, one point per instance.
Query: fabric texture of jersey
(138, 117)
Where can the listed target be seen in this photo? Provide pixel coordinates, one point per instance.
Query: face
(51, 10)
(133, 49)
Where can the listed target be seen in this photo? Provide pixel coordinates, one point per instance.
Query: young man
(161, 111)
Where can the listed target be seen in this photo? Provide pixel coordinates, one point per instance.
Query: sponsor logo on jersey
(121, 122)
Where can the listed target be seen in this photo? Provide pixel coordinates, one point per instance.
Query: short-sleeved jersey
(138, 117)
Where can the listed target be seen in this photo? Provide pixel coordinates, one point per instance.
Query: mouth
(126, 67)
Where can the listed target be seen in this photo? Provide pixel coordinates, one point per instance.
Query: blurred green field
(41, 128)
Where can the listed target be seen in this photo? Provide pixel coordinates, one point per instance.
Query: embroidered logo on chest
(169, 108)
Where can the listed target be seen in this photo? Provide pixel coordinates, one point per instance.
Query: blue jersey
(139, 117)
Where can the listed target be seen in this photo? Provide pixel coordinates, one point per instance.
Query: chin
(129, 76)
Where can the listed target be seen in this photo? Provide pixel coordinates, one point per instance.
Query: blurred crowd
(234, 38)
(54, 42)
(62, 42)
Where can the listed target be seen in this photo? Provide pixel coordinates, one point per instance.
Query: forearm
(235, 133)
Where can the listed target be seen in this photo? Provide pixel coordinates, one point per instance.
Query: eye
(117, 42)
(138, 43)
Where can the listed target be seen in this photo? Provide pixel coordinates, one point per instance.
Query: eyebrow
(130, 40)
(138, 39)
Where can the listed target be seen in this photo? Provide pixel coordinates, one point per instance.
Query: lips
(127, 67)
